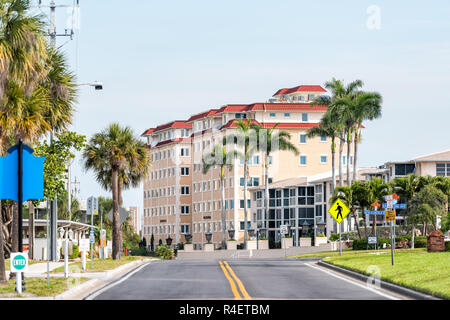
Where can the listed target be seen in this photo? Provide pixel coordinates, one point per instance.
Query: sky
(166, 60)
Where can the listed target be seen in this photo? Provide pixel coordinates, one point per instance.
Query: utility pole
(53, 203)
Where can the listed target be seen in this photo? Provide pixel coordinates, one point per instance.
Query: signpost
(339, 211)
(391, 201)
(84, 248)
(92, 209)
(19, 264)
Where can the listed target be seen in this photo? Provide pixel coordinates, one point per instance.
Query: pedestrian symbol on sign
(339, 210)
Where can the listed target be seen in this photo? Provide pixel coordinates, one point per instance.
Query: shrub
(447, 245)
(334, 237)
(362, 244)
(180, 246)
(320, 235)
(262, 238)
(420, 242)
(164, 252)
(75, 252)
(142, 251)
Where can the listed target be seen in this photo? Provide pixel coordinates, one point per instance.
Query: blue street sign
(32, 175)
(374, 212)
(396, 206)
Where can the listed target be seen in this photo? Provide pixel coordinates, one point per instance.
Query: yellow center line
(241, 286)
(232, 285)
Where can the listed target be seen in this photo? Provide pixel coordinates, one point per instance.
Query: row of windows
(165, 210)
(323, 138)
(287, 114)
(166, 229)
(443, 169)
(169, 172)
(210, 206)
(165, 192)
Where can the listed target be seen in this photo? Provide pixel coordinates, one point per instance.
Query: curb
(89, 287)
(383, 284)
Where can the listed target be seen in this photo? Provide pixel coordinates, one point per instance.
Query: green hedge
(362, 244)
(447, 245)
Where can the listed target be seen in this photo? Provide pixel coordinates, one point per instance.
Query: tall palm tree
(247, 139)
(270, 140)
(330, 128)
(116, 150)
(358, 107)
(339, 90)
(222, 158)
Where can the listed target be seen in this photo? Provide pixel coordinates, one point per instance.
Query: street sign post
(391, 201)
(19, 264)
(339, 211)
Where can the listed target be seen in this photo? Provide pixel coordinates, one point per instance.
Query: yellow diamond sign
(339, 211)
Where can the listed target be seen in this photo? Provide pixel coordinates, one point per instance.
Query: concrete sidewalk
(40, 269)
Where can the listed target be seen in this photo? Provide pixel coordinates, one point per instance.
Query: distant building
(135, 219)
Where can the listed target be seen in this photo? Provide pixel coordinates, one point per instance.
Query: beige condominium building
(180, 200)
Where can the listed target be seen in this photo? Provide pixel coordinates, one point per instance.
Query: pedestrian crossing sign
(339, 211)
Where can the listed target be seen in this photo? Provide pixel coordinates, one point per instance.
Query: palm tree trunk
(30, 229)
(341, 149)
(348, 158)
(355, 154)
(2, 253)
(245, 204)
(222, 189)
(357, 221)
(117, 238)
(266, 191)
(333, 154)
(365, 222)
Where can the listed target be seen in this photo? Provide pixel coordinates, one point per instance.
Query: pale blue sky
(166, 60)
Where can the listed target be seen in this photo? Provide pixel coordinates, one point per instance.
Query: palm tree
(116, 150)
(337, 116)
(244, 139)
(330, 128)
(222, 158)
(358, 107)
(269, 141)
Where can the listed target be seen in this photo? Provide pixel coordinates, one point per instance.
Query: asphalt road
(236, 279)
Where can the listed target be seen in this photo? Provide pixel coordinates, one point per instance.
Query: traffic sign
(84, 245)
(396, 206)
(19, 262)
(390, 215)
(372, 240)
(103, 238)
(339, 211)
(374, 212)
(92, 237)
(376, 204)
(92, 206)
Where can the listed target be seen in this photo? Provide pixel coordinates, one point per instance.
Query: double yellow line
(227, 271)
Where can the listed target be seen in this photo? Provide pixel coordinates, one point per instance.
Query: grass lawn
(99, 265)
(323, 254)
(39, 287)
(417, 269)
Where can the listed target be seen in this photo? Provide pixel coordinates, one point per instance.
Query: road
(236, 279)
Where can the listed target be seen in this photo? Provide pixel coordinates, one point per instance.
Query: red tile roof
(159, 144)
(301, 88)
(233, 108)
(232, 124)
(284, 107)
(148, 131)
(173, 124)
(209, 113)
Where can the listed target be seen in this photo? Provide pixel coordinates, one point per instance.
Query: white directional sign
(92, 206)
(372, 240)
(19, 262)
(84, 245)
(92, 236)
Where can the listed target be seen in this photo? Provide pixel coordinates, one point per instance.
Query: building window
(305, 195)
(303, 160)
(184, 152)
(323, 138)
(184, 228)
(287, 114)
(443, 169)
(253, 160)
(185, 210)
(242, 225)
(304, 117)
(272, 114)
(403, 169)
(323, 159)
(302, 138)
(185, 190)
(184, 171)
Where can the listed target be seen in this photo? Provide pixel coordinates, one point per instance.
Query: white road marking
(355, 283)
(95, 294)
